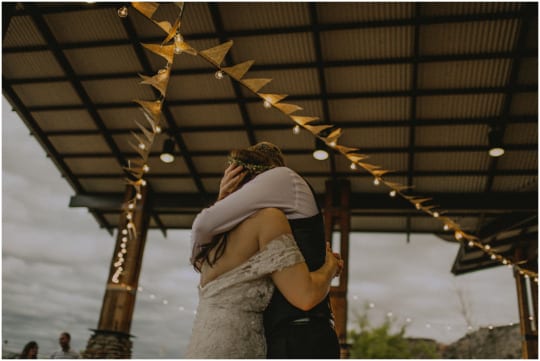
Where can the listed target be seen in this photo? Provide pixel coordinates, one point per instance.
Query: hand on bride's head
(232, 178)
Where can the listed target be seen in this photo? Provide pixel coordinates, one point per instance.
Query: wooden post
(337, 213)
(528, 305)
(111, 339)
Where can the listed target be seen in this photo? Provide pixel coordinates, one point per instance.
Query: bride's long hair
(254, 160)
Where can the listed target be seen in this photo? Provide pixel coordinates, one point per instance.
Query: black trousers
(314, 339)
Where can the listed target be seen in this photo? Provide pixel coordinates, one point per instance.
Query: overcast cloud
(55, 263)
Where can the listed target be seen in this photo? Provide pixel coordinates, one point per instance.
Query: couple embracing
(265, 266)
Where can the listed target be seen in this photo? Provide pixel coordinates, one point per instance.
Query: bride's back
(242, 243)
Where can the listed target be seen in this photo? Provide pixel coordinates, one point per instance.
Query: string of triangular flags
(326, 132)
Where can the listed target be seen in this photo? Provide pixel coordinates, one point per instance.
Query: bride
(239, 270)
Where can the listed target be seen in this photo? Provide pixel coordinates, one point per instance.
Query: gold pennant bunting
(146, 8)
(288, 108)
(369, 167)
(152, 108)
(147, 143)
(148, 134)
(397, 186)
(380, 172)
(172, 30)
(334, 135)
(302, 120)
(272, 98)
(186, 48)
(237, 71)
(316, 129)
(158, 81)
(357, 157)
(138, 149)
(344, 149)
(216, 54)
(255, 84)
(165, 51)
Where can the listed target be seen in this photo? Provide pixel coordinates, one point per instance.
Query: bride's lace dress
(229, 320)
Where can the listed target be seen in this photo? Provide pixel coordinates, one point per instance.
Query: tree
(380, 343)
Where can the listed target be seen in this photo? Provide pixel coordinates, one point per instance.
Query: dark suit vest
(309, 235)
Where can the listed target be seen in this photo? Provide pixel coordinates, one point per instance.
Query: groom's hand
(231, 179)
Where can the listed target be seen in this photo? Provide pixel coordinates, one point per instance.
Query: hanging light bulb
(471, 244)
(436, 214)
(332, 143)
(446, 227)
(158, 129)
(376, 181)
(142, 146)
(167, 155)
(123, 12)
(458, 235)
(418, 205)
(393, 193)
(146, 168)
(495, 142)
(353, 166)
(487, 247)
(219, 74)
(296, 129)
(267, 104)
(320, 152)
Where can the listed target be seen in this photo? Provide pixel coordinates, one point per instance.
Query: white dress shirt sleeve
(276, 188)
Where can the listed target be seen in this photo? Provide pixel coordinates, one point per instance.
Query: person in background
(30, 350)
(66, 352)
(290, 332)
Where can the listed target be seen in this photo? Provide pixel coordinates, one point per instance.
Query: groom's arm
(271, 189)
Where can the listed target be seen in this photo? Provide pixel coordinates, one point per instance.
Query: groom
(290, 332)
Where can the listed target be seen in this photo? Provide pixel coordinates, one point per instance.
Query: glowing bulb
(158, 129)
(446, 227)
(471, 243)
(536, 279)
(393, 193)
(436, 214)
(142, 146)
(123, 12)
(123, 245)
(458, 235)
(487, 247)
(219, 75)
(129, 215)
(332, 143)
(490, 327)
(124, 251)
(178, 38)
(124, 239)
(505, 261)
(493, 256)
(146, 168)
(177, 50)
(353, 166)
(267, 104)
(138, 196)
(418, 205)
(296, 130)
(131, 206)
(376, 181)
(124, 231)
(143, 182)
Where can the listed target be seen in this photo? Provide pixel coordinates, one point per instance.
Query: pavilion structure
(408, 98)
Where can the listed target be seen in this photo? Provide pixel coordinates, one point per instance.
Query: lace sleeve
(279, 253)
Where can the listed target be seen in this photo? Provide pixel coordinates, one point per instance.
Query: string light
(219, 75)
(353, 166)
(123, 12)
(296, 129)
(376, 181)
(346, 151)
(178, 39)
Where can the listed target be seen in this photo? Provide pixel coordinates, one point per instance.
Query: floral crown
(250, 167)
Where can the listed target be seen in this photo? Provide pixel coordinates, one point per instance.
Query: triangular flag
(369, 167)
(147, 142)
(216, 54)
(146, 8)
(148, 134)
(142, 152)
(316, 129)
(272, 98)
(288, 108)
(237, 71)
(396, 185)
(344, 149)
(158, 81)
(186, 48)
(380, 172)
(152, 108)
(356, 157)
(302, 120)
(334, 135)
(172, 29)
(255, 84)
(165, 51)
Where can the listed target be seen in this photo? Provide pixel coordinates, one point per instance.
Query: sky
(55, 263)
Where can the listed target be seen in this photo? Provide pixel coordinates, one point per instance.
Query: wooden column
(111, 339)
(527, 293)
(337, 217)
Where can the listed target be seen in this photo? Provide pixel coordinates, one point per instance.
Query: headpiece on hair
(250, 167)
(270, 150)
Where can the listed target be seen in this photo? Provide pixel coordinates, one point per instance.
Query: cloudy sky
(55, 261)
